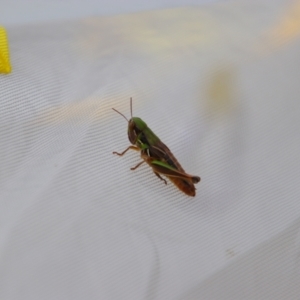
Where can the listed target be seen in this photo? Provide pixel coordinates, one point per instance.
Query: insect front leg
(130, 147)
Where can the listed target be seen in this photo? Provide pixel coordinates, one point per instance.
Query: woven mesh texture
(220, 86)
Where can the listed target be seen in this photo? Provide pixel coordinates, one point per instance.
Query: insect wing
(167, 170)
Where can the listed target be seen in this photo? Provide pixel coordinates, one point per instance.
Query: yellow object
(5, 66)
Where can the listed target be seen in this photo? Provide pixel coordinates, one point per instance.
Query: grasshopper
(157, 155)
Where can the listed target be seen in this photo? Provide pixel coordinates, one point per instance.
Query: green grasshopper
(157, 155)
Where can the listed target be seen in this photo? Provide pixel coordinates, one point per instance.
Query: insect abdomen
(185, 186)
(162, 153)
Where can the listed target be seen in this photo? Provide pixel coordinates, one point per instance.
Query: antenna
(120, 114)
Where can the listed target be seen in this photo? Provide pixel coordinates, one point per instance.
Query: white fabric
(220, 86)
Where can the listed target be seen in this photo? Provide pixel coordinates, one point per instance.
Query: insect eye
(131, 125)
(132, 135)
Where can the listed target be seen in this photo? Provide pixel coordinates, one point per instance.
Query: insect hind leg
(157, 174)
